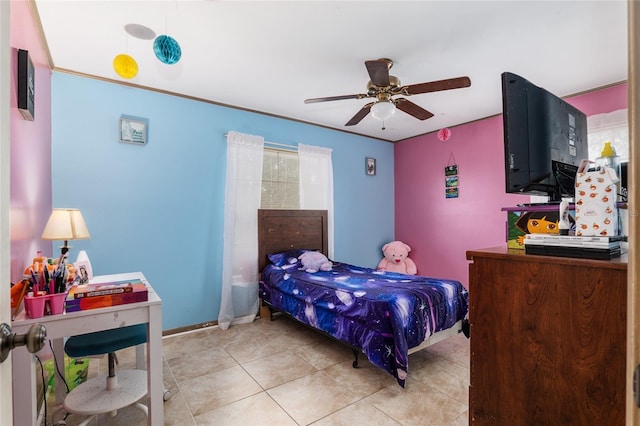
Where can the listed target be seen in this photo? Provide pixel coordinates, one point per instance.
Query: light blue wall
(159, 208)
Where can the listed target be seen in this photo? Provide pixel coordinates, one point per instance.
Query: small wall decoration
(451, 170)
(133, 129)
(26, 92)
(451, 178)
(370, 166)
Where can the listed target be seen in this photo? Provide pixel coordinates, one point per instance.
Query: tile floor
(281, 373)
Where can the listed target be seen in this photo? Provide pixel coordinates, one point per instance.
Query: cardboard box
(596, 209)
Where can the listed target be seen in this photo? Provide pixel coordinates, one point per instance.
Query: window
(613, 127)
(280, 180)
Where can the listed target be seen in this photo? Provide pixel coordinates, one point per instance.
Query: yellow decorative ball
(125, 66)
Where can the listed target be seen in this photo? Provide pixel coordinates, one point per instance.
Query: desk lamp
(65, 224)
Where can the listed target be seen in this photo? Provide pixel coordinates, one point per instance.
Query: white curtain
(612, 126)
(240, 246)
(316, 183)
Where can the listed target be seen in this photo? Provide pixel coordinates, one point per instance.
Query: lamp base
(64, 249)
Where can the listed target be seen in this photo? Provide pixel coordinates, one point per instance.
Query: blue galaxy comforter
(382, 313)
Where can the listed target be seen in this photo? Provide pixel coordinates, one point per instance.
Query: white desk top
(153, 299)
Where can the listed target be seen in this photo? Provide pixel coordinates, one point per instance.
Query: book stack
(588, 247)
(100, 295)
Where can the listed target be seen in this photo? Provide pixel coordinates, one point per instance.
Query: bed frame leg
(355, 355)
(466, 328)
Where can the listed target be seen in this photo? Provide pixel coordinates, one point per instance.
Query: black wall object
(624, 167)
(26, 85)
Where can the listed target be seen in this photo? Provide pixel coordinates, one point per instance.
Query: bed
(384, 315)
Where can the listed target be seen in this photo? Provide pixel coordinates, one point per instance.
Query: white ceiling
(269, 56)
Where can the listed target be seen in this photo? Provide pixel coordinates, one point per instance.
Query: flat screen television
(545, 138)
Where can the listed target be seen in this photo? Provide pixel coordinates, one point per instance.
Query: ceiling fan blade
(360, 115)
(412, 109)
(378, 72)
(435, 86)
(334, 98)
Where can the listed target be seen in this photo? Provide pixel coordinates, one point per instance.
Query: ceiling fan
(384, 87)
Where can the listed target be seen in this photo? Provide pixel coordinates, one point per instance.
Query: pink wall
(30, 193)
(441, 230)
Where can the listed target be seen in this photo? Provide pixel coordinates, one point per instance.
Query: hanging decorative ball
(444, 134)
(125, 66)
(167, 49)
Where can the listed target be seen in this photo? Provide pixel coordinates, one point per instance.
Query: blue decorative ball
(167, 49)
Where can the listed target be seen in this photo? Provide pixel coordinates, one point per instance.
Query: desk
(70, 324)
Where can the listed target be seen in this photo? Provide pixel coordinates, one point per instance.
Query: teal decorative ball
(167, 49)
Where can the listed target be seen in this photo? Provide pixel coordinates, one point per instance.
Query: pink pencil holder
(56, 303)
(34, 305)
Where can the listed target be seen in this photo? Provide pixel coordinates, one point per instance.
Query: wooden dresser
(548, 339)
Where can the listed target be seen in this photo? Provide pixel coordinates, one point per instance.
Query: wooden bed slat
(280, 230)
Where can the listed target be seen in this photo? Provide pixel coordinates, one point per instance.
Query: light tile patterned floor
(281, 373)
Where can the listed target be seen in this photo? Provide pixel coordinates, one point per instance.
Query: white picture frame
(84, 272)
(133, 130)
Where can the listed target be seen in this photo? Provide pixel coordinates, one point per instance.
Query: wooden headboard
(280, 230)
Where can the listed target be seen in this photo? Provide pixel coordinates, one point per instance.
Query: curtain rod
(276, 144)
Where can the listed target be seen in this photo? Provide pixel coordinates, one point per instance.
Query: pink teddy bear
(396, 258)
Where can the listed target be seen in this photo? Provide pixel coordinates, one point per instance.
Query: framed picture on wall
(133, 129)
(451, 170)
(26, 92)
(451, 192)
(370, 166)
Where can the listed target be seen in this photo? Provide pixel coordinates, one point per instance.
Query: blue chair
(115, 391)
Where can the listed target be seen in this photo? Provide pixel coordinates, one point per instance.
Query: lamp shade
(65, 224)
(383, 110)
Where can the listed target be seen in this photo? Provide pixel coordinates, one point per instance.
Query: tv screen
(545, 138)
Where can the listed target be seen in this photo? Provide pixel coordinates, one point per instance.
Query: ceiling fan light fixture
(383, 110)
(167, 49)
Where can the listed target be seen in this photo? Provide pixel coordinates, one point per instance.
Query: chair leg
(142, 408)
(112, 364)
